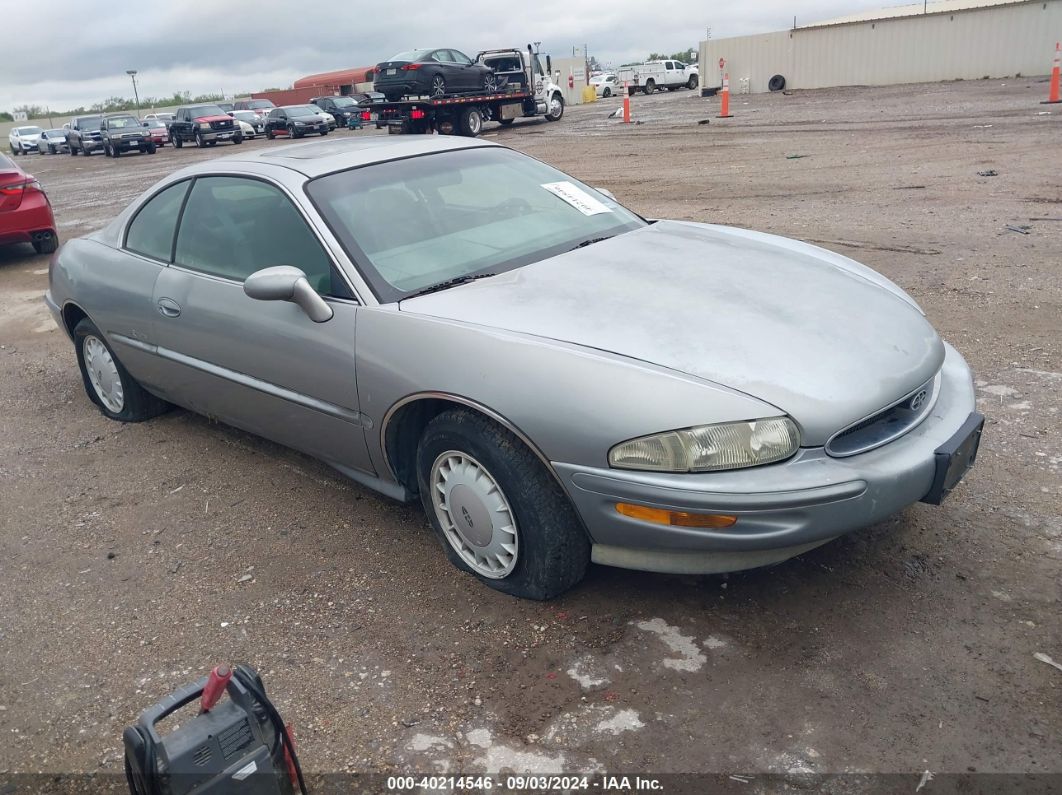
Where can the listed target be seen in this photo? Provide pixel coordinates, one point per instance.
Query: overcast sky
(64, 53)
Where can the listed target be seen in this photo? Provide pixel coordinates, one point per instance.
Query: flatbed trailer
(456, 114)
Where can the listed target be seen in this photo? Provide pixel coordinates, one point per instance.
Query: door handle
(169, 308)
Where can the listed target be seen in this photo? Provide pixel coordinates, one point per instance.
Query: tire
(199, 142)
(151, 149)
(470, 122)
(505, 122)
(116, 152)
(490, 84)
(46, 246)
(51, 149)
(552, 551)
(269, 135)
(134, 404)
(650, 86)
(177, 142)
(776, 83)
(237, 139)
(606, 93)
(693, 82)
(556, 108)
(324, 132)
(438, 86)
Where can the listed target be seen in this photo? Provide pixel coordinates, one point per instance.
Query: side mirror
(284, 283)
(549, 65)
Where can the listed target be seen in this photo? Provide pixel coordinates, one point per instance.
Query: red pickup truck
(204, 125)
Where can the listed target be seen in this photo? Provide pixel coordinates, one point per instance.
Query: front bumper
(217, 135)
(783, 509)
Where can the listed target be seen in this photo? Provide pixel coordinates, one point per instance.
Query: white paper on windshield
(576, 197)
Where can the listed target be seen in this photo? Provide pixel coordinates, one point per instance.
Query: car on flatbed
(203, 125)
(341, 108)
(124, 133)
(432, 73)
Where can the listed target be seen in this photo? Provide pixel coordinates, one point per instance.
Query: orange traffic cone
(1053, 98)
(626, 103)
(724, 105)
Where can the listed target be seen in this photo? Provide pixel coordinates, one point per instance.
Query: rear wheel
(108, 384)
(470, 122)
(650, 86)
(497, 511)
(438, 86)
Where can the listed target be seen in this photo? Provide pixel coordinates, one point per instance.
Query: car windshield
(91, 122)
(420, 221)
(246, 115)
(410, 55)
(30, 130)
(206, 110)
(302, 110)
(344, 102)
(56, 133)
(121, 122)
(260, 103)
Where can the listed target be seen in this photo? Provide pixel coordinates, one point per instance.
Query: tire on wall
(108, 384)
(776, 83)
(496, 510)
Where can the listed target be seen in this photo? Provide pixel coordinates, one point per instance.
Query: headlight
(300, 124)
(204, 125)
(710, 448)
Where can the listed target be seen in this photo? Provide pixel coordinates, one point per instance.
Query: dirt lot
(904, 648)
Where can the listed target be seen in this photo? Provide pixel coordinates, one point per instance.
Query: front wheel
(108, 384)
(606, 93)
(692, 82)
(237, 139)
(490, 83)
(497, 511)
(177, 141)
(151, 149)
(556, 108)
(200, 141)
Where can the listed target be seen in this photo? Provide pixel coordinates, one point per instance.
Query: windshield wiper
(590, 242)
(446, 285)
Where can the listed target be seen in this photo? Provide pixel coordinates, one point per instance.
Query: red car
(25, 212)
(158, 131)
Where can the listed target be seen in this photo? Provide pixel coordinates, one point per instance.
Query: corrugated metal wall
(996, 41)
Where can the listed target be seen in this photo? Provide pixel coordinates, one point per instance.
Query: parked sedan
(252, 119)
(165, 118)
(607, 85)
(52, 142)
(432, 73)
(25, 212)
(555, 379)
(23, 140)
(157, 131)
(295, 121)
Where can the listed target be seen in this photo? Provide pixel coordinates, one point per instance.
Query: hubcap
(438, 87)
(554, 106)
(103, 374)
(475, 516)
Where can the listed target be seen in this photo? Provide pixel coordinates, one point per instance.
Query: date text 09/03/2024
(523, 783)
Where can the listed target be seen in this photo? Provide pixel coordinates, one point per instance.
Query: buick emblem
(919, 399)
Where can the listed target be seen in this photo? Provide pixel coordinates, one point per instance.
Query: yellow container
(589, 94)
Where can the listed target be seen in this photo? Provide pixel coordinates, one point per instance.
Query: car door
(448, 69)
(263, 366)
(467, 74)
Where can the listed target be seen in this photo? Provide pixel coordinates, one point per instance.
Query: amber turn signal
(675, 518)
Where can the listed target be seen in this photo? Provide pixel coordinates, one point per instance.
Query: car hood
(822, 338)
(222, 117)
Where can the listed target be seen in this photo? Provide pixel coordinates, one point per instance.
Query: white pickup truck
(651, 75)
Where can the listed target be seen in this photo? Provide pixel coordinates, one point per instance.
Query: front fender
(572, 403)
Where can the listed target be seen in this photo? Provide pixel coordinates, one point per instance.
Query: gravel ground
(903, 648)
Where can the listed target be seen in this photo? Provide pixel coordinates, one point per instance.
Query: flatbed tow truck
(526, 90)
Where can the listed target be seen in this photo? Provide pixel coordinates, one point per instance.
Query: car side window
(151, 231)
(459, 57)
(234, 226)
(442, 56)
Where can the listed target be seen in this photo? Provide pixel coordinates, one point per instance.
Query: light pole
(136, 96)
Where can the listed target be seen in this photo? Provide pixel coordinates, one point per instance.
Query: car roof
(325, 157)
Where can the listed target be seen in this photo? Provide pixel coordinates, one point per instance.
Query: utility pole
(136, 96)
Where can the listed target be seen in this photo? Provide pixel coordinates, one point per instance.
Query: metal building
(923, 42)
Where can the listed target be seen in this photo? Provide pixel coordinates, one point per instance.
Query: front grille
(221, 125)
(888, 424)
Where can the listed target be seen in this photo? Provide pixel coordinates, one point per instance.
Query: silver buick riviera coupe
(555, 378)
